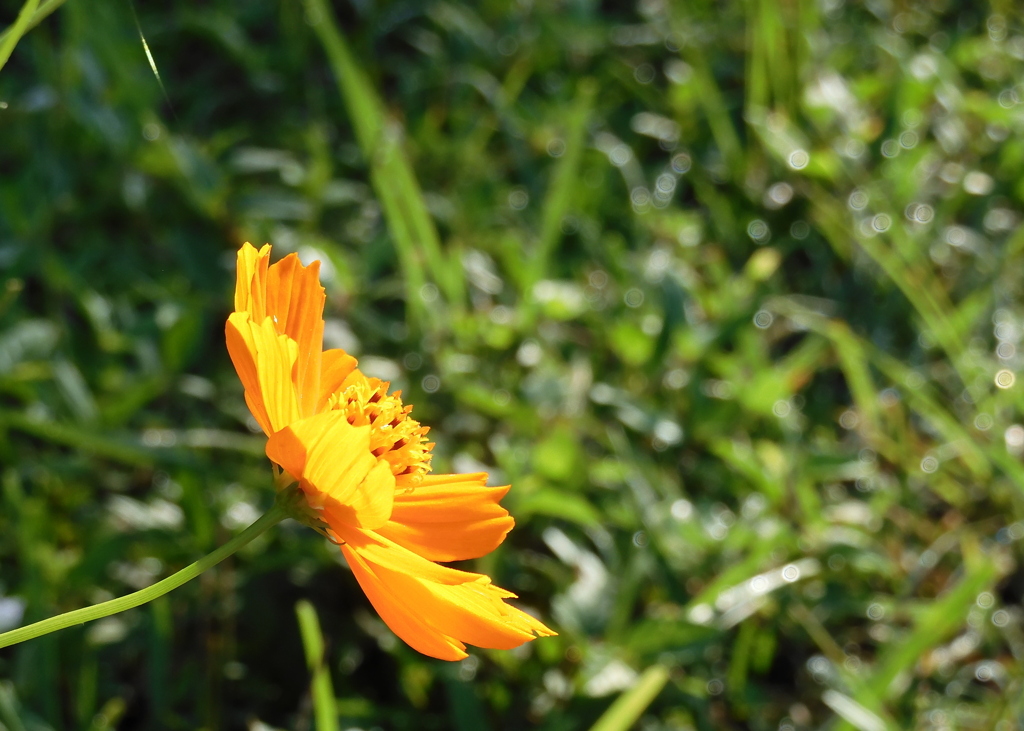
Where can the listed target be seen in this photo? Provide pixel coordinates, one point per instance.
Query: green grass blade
(937, 622)
(774, 25)
(160, 653)
(149, 55)
(9, 708)
(912, 278)
(855, 355)
(77, 437)
(929, 406)
(629, 706)
(717, 112)
(405, 210)
(565, 178)
(365, 110)
(853, 361)
(852, 712)
(757, 72)
(13, 34)
(324, 704)
(402, 235)
(869, 702)
(43, 11)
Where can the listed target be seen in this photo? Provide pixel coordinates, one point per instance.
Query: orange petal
(290, 294)
(449, 517)
(244, 359)
(406, 624)
(250, 278)
(335, 468)
(335, 367)
(434, 608)
(265, 362)
(295, 302)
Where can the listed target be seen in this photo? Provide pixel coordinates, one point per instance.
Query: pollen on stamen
(394, 436)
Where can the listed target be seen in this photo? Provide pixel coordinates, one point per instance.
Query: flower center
(394, 436)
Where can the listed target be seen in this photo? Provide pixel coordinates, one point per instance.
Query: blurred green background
(731, 293)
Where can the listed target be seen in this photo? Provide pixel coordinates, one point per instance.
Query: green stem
(273, 516)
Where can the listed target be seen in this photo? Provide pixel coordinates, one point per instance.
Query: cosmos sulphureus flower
(363, 466)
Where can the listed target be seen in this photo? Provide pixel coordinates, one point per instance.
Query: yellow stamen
(394, 435)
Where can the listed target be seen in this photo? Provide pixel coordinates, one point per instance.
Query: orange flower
(363, 463)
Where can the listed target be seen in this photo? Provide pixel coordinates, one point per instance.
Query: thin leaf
(324, 704)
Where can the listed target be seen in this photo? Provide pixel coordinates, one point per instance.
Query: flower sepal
(293, 501)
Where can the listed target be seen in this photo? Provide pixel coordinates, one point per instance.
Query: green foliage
(728, 292)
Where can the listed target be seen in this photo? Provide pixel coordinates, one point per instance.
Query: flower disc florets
(394, 435)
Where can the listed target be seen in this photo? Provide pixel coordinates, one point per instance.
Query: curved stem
(130, 601)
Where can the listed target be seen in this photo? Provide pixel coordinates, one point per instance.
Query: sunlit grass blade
(365, 110)
(853, 712)
(741, 458)
(149, 54)
(12, 35)
(717, 113)
(324, 704)
(776, 32)
(42, 12)
(629, 706)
